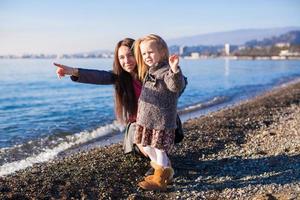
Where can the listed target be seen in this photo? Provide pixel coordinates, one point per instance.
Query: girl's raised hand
(173, 62)
(63, 70)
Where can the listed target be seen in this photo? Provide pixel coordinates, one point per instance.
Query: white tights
(158, 156)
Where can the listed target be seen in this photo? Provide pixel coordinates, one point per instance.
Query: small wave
(287, 81)
(202, 105)
(50, 153)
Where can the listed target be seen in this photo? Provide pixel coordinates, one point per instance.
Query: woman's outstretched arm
(91, 76)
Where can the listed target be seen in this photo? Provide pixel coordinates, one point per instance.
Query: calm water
(41, 115)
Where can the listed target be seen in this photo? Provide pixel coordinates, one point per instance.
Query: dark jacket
(92, 76)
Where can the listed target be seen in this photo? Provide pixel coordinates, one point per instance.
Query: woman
(127, 86)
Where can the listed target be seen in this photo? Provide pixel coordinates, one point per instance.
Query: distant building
(241, 47)
(227, 49)
(195, 55)
(282, 44)
(182, 50)
(284, 53)
(288, 53)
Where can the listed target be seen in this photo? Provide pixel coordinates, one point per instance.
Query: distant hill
(292, 37)
(235, 37)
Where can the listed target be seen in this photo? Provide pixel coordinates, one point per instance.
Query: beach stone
(4, 188)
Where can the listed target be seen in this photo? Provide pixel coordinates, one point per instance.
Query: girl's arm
(174, 78)
(173, 62)
(86, 75)
(175, 81)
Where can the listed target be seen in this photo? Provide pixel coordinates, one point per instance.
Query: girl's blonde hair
(161, 47)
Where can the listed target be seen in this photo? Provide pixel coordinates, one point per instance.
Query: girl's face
(126, 59)
(150, 53)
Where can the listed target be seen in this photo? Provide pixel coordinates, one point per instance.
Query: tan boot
(158, 181)
(154, 165)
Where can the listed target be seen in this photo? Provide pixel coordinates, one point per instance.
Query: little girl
(157, 106)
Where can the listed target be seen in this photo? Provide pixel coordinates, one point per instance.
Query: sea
(43, 117)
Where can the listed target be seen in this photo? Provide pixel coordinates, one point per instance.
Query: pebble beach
(248, 151)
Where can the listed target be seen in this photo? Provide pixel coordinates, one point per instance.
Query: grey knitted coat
(157, 106)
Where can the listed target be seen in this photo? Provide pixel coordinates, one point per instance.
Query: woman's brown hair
(125, 101)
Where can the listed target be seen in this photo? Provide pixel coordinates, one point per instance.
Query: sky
(72, 26)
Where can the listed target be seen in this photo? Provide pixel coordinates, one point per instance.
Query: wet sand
(248, 151)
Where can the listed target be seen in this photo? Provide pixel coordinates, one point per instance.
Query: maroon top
(137, 86)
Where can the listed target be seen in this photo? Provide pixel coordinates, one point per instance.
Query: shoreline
(202, 108)
(226, 154)
(200, 57)
(99, 139)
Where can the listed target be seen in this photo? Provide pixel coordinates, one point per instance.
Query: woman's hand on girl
(173, 62)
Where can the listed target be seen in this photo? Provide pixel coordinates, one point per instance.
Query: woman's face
(126, 59)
